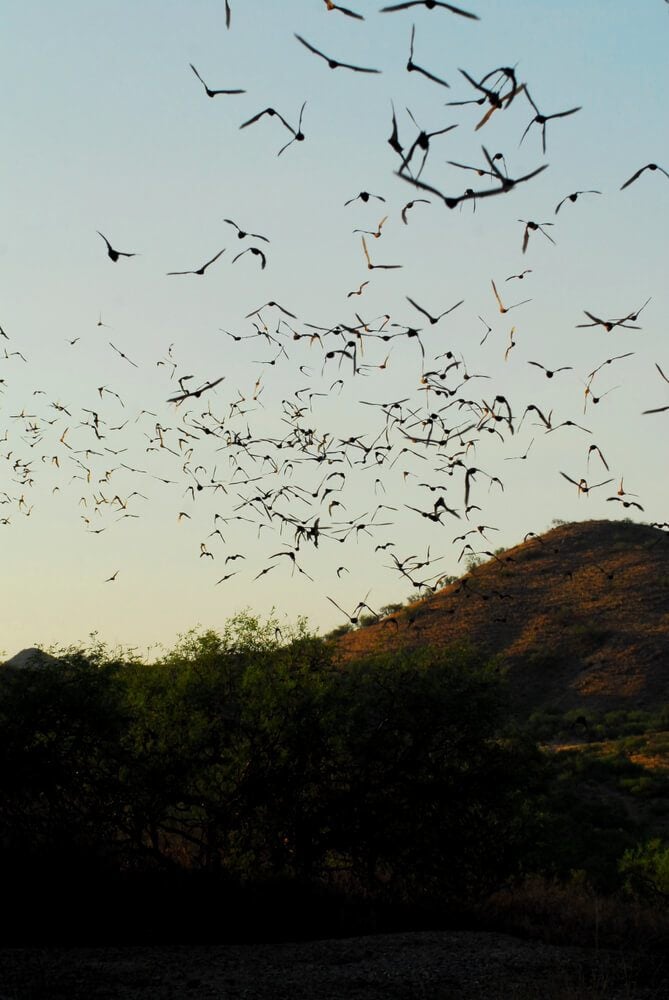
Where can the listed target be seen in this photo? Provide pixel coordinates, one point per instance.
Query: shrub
(645, 869)
(340, 630)
(390, 609)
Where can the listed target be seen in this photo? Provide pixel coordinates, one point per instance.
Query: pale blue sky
(106, 128)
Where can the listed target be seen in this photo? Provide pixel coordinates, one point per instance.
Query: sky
(107, 129)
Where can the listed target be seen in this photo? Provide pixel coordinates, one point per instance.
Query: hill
(579, 617)
(30, 657)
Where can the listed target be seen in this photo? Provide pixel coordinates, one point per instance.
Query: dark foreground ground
(439, 965)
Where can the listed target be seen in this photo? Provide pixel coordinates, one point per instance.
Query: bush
(645, 869)
(390, 609)
(339, 631)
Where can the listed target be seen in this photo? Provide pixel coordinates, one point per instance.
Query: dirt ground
(408, 966)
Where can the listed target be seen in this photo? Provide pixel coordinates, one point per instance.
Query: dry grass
(654, 762)
(650, 750)
(579, 616)
(574, 914)
(628, 939)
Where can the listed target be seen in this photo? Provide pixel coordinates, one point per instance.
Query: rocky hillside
(578, 617)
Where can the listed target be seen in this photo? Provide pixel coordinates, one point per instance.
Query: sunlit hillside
(579, 616)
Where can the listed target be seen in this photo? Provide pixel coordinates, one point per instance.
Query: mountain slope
(578, 616)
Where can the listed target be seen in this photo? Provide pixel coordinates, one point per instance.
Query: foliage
(414, 597)
(550, 724)
(390, 609)
(61, 729)
(250, 752)
(645, 869)
(254, 756)
(339, 631)
(433, 800)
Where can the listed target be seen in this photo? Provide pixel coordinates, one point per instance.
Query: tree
(433, 794)
(254, 753)
(60, 727)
